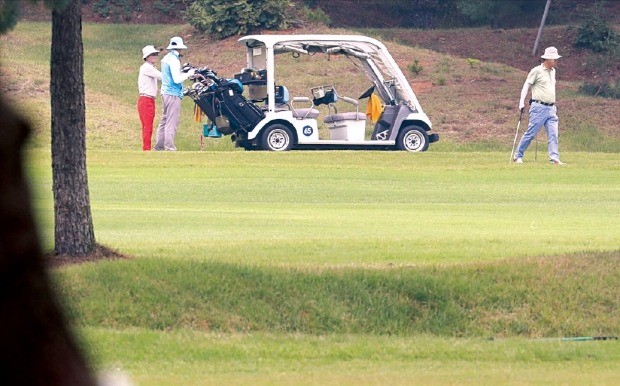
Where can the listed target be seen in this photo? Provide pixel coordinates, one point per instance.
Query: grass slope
(546, 297)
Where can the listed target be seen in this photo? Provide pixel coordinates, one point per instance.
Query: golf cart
(269, 117)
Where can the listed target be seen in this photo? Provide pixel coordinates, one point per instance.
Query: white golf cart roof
(371, 54)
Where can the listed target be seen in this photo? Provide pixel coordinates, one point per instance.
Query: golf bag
(223, 103)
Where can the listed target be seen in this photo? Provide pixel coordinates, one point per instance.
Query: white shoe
(556, 162)
(518, 160)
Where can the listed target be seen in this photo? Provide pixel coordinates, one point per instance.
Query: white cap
(149, 50)
(176, 43)
(551, 53)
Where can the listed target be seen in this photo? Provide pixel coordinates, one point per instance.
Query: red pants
(146, 110)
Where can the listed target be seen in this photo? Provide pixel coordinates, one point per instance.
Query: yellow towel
(374, 108)
(197, 113)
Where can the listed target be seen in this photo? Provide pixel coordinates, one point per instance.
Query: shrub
(170, 7)
(223, 18)
(415, 67)
(445, 65)
(102, 8)
(115, 8)
(499, 13)
(596, 34)
(602, 89)
(317, 15)
(472, 62)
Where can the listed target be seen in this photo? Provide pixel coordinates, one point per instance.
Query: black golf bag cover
(226, 100)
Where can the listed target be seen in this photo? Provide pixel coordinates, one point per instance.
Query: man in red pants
(147, 91)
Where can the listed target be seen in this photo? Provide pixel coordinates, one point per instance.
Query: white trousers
(167, 129)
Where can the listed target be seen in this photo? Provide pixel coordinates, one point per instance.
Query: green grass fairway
(192, 359)
(345, 208)
(332, 268)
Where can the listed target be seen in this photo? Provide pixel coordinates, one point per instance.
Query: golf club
(579, 338)
(516, 135)
(536, 149)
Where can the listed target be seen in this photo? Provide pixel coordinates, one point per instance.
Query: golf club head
(186, 67)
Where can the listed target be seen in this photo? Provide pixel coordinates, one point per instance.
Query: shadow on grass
(573, 295)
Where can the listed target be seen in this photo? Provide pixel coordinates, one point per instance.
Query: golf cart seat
(306, 112)
(343, 117)
(349, 126)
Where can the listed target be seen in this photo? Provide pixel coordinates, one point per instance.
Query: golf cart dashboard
(323, 95)
(252, 76)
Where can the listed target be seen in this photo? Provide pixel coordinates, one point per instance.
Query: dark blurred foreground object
(36, 345)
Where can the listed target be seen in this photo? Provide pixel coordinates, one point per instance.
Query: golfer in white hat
(543, 111)
(147, 91)
(172, 93)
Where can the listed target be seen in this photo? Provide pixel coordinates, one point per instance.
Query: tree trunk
(542, 25)
(73, 233)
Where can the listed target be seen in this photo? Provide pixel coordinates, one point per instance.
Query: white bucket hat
(551, 53)
(176, 43)
(149, 50)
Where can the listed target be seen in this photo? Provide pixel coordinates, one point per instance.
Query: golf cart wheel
(277, 138)
(412, 138)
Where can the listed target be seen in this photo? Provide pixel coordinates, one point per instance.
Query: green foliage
(445, 66)
(102, 8)
(116, 8)
(596, 34)
(9, 11)
(472, 62)
(310, 3)
(499, 13)
(602, 89)
(415, 68)
(223, 18)
(9, 14)
(452, 13)
(124, 9)
(317, 15)
(171, 7)
(494, 69)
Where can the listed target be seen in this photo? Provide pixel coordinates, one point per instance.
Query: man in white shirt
(171, 93)
(543, 111)
(147, 91)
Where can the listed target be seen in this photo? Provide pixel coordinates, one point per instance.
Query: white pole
(542, 24)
